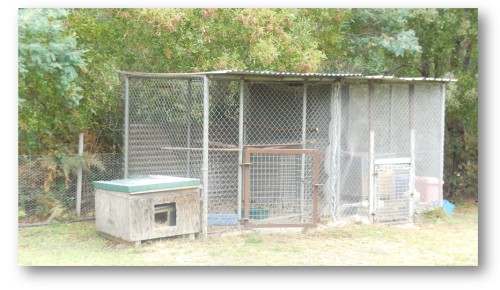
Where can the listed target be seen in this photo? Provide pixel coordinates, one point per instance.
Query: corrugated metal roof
(273, 73)
(289, 76)
(382, 77)
(356, 76)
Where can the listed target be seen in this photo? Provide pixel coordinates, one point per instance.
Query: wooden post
(79, 177)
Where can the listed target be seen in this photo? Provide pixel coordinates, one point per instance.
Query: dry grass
(434, 239)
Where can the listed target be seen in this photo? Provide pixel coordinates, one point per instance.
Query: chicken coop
(277, 149)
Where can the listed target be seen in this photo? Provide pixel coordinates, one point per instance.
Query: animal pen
(286, 149)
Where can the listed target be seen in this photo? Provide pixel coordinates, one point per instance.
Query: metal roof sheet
(274, 73)
(382, 77)
(289, 75)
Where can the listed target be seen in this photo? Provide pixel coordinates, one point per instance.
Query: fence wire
(281, 189)
(46, 194)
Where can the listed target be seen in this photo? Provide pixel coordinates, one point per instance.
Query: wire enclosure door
(281, 187)
(392, 190)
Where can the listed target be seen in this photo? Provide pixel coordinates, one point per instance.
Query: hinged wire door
(392, 191)
(281, 187)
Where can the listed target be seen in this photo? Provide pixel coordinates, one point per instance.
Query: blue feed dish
(222, 219)
(448, 207)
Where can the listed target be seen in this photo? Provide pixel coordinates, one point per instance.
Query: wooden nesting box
(137, 209)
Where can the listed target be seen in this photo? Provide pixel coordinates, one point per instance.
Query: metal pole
(443, 111)
(338, 148)
(340, 96)
(391, 120)
(411, 103)
(188, 145)
(329, 190)
(371, 187)
(79, 177)
(303, 158)
(126, 128)
(240, 146)
(204, 218)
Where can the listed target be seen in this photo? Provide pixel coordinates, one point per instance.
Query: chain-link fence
(47, 185)
(352, 124)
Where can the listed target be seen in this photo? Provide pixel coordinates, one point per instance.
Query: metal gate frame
(392, 164)
(246, 189)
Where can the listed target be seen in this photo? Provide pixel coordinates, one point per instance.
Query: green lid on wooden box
(148, 183)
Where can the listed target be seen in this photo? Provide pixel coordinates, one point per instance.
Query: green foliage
(63, 165)
(21, 213)
(438, 214)
(378, 40)
(49, 67)
(61, 93)
(48, 207)
(188, 40)
(48, 56)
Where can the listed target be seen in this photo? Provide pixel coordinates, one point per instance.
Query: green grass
(432, 240)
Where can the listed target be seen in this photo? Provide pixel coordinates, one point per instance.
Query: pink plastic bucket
(428, 187)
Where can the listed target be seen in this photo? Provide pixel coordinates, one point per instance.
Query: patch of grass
(253, 240)
(433, 241)
(438, 214)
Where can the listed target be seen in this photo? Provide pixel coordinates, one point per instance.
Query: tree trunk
(468, 52)
(456, 53)
(425, 66)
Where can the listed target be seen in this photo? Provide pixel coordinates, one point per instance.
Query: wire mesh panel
(318, 136)
(279, 190)
(429, 136)
(273, 114)
(392, 191)
(45, 193)
(391, 127)
(223, 152)
(165, 133)
(352, 154)
(112, 169)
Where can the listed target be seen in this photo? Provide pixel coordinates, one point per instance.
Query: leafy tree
(49, 68)
(63, 89)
